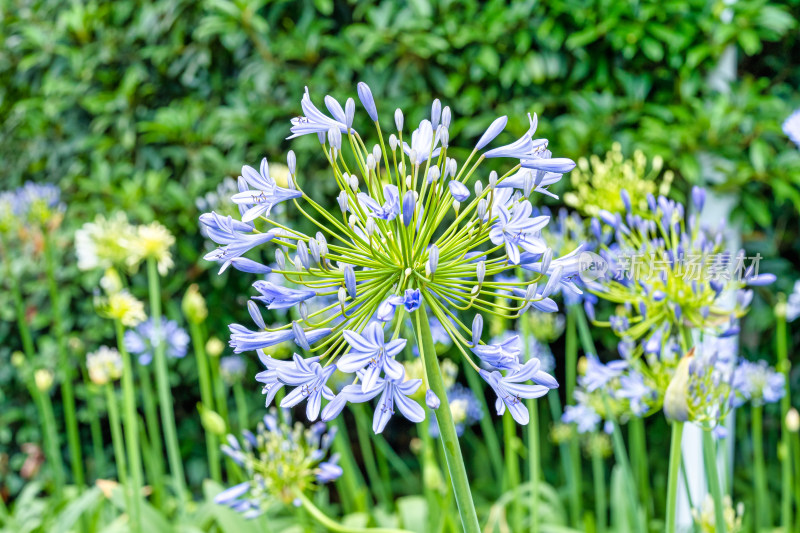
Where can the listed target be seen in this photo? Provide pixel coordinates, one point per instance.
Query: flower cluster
(280, 460)
(36, 204)
(598, 184)
(758, 383)
(705, 518)
(143, 340)
(416, 233)
(114, 242)
(104, 365)
(670, 274)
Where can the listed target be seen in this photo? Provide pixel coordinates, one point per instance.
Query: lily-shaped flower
(269, 377)
(329, 470)
(314, 121)
(371, 354)
(459, 191)
(540, 180)
(503, 355)
(391, 206)
(310, 378)
(511, 388)
(411, 300)
(265, 195)
(392, 391)
(243, 339)
(422, 142)
(569, 264)
(235, 236)
(277, 297)
(519, 230)
(520, 148)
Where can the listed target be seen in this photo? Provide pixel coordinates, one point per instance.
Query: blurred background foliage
(146, 106)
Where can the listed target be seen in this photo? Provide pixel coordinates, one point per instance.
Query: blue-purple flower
(142, 340)
(369, 352)
(512, 388)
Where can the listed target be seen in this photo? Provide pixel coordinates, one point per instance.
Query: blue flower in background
(142, 340)
(598, 375)
(793, 303)
(585, 418)
(757, 382)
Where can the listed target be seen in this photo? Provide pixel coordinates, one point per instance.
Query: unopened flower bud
(302, 254)
(481, 209)
(398, 119)
(370, 226)
(303, 310)
(43, 379)
(478, 188)
(214, 347)
(194, 305)
(291, 162)
(477, 329)
(342, 295)
(342, 200)
(444, 137)
(280, 259)
(492, 179)
(376, 152)
(446, 116)
(433, 259)
(456, 206)
(212, 421)
(436, 113)
(350, 280)
(370, 162)
(335, 138)
(393, 142)
(480, 272)
(433, 174)
(793, 420)
(255, 314)
(676, 405)
(300, 336)
(353, 182)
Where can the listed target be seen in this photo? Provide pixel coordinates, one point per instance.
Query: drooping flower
(392, 392)
(143, 340)
(511, 389)
(276, 297)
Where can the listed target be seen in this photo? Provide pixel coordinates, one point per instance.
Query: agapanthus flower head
(280, 460)
(104, 243)
(598, 184)
(667, 272)
(40, 203)
(415, 231)
(466, 409)
(143, 340)
(122, 306)
(791, 127)
(623, 387)
(757, 382)
(152, 241)
(104, 365)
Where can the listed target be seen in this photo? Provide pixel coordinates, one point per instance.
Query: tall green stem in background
(50, 433)
(131, 431)
(353, 498)
(117, 442)
(447, 429)
(786, 402)
(487, 426)
(710, 462)
(368, 455)
(162, 382)
(206, 397)
(672, 477)
(762, 518)
(67, 392)
(154, 459)
(639, 460)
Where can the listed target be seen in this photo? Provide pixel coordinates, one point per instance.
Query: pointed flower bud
(365, 95)
(493, 131)
(409, 203)
(350, 280)
(431, 400)
(398, 119)
(433, 259)
(477, 329)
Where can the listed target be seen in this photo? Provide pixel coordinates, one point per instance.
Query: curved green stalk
(447, 429)
(331, 525)
(162, 383)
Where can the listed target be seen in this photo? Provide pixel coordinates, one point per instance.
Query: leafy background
(145, 106)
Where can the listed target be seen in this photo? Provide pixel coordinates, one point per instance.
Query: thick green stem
(155, 459)
(116, 434)
(763, 518)
(786, 457)
(672, 478)
(710, 463)
(599, 480)
(98, 447)
(162, 383)
(131, 431)
(331, 525)
(447, 429)
(67, 391)
(46, 408)
(206, 397)
(566, 464)
(429, 467)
